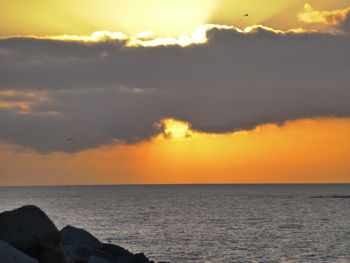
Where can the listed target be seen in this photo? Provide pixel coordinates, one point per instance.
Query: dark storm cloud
(104, 92)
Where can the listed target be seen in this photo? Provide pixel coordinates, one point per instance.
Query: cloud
(105, 92)
(23, 102)
(333, 18)
(147, 39)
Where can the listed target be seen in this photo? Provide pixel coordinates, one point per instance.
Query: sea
(204, 223)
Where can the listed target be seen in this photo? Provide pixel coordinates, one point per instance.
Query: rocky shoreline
(27, 235)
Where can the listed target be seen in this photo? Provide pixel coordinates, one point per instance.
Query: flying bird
(69, 139)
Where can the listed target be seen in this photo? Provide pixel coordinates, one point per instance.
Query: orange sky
(304, 151)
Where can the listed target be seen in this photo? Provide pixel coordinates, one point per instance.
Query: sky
(158, 92)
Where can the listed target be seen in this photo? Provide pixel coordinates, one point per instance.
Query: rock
(76, 237)
(9, 254)
(94, 259)
(77, 254)
(80, 245)
(138, 258)
(27, 235)
(114, 250)
(29, 230)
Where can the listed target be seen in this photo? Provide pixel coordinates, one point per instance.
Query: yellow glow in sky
(164, 17)
(277, 14)
(76, 17)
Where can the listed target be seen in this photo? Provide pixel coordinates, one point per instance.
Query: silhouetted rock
(114, 250)
(80, 246)
(94, 259)
(31, 231)
(9, 254)
(73, 236)
(29, 236)
(139, 258)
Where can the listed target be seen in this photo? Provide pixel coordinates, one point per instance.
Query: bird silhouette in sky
(70, 139)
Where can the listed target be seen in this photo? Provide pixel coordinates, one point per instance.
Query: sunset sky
(174, 91)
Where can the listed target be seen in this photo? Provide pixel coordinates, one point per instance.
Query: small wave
(291, 226)
(331, 196)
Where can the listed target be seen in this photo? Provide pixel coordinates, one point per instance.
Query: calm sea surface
(204, 223)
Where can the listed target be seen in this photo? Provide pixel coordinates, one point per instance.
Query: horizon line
(162, 184)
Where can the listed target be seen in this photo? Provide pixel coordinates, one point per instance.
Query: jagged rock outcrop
(27, 235)
(81, 245)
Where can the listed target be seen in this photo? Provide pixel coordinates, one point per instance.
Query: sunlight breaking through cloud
(148, 39)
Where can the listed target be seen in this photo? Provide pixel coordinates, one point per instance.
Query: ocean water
(204, 223)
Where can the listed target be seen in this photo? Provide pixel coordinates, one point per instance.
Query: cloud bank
(104, 92)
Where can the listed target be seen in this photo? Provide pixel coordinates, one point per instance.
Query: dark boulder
(29, 230)
(114, 250)
(80, 246)
(77, 237)
(9, 254)
(94, 259)
(27, 235)
(138, 258)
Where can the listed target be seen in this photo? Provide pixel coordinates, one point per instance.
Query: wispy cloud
(23, 102)
(332, 18)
